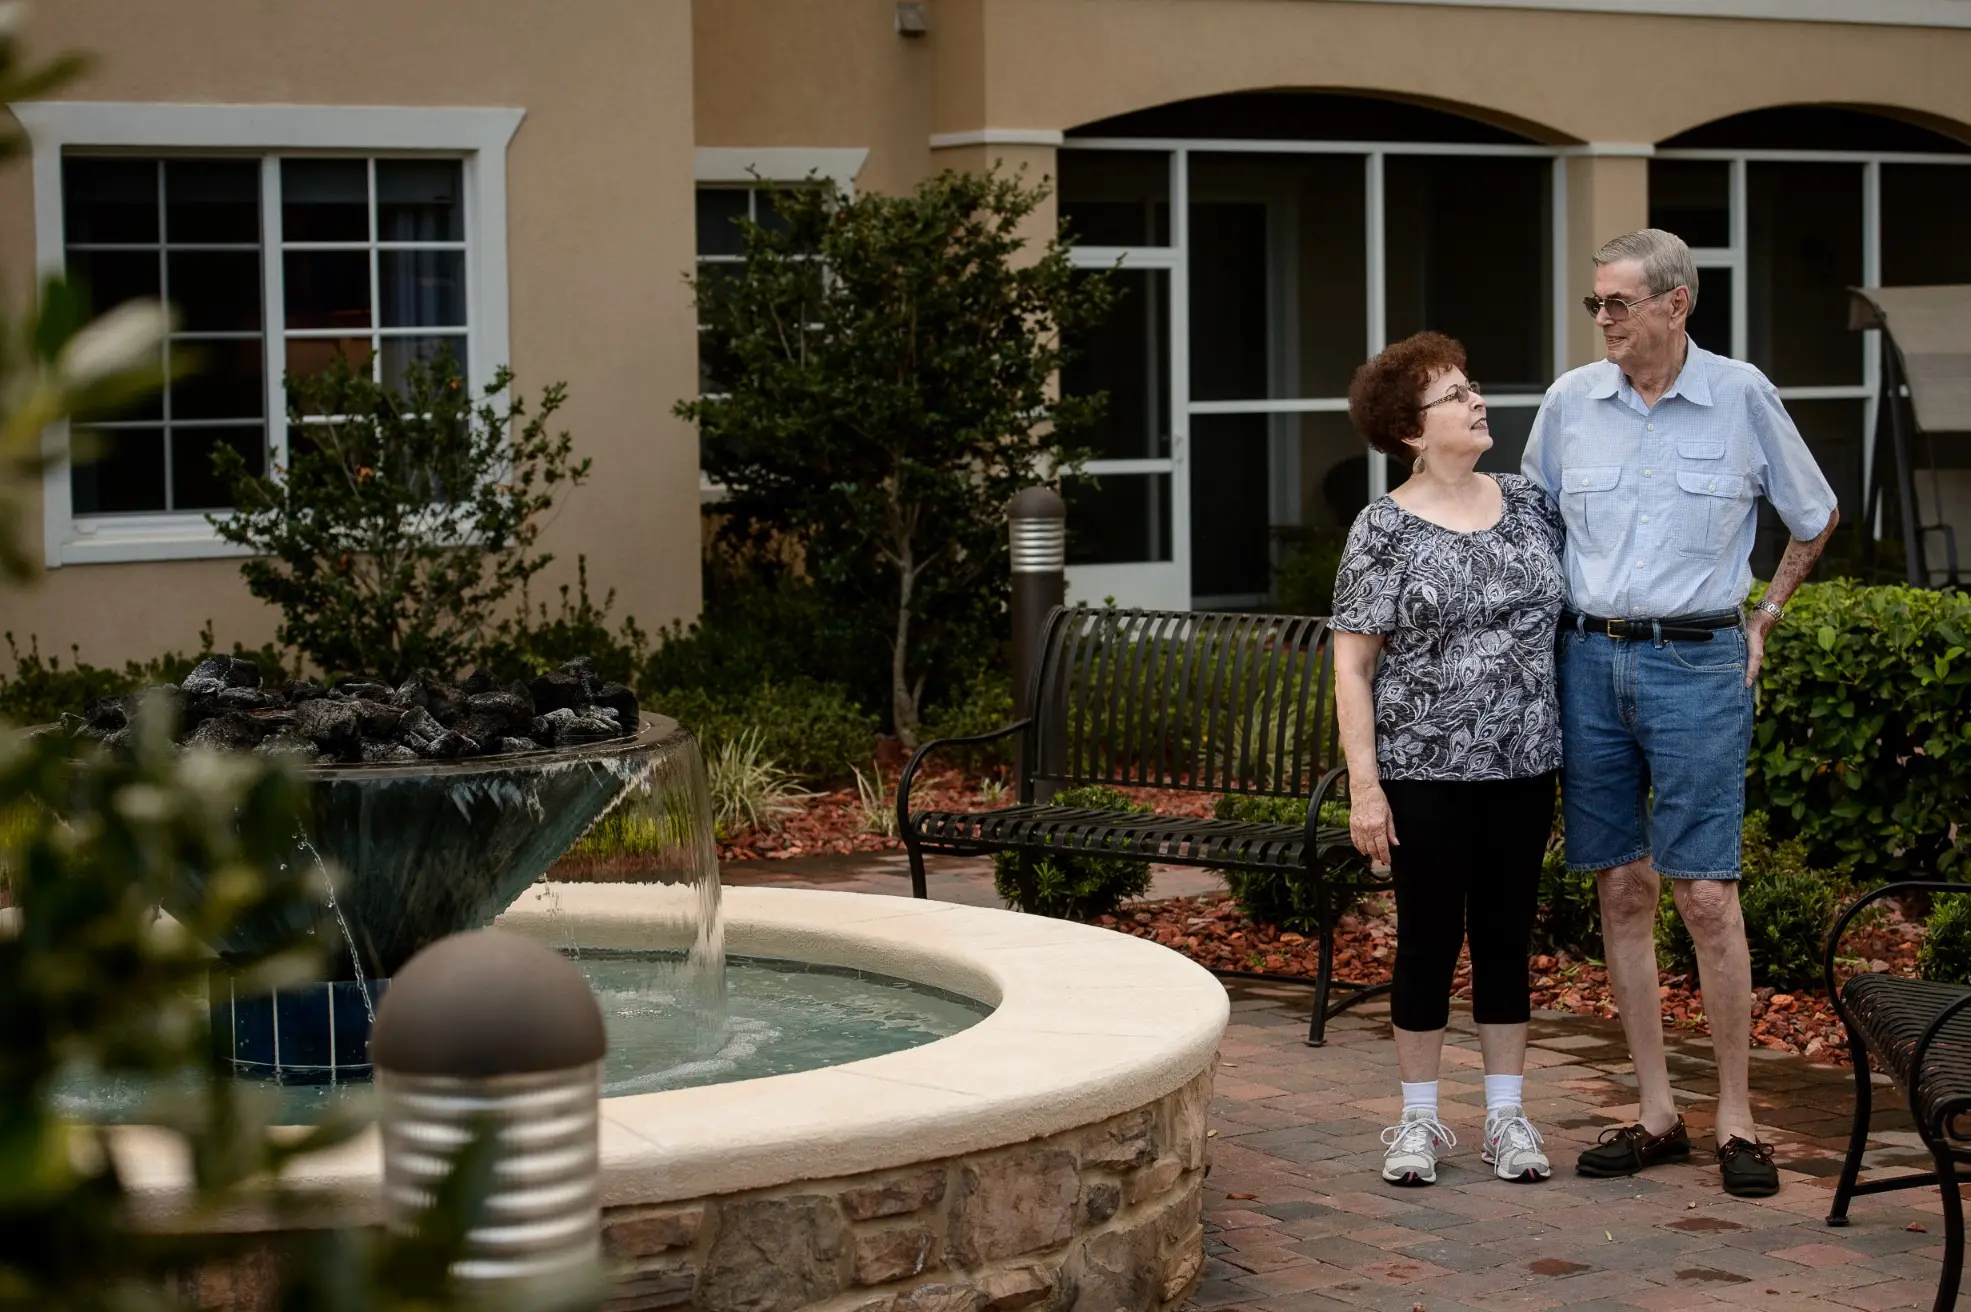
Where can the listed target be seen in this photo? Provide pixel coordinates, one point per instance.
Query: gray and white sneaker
(1513, 1147)
(1411, 1157)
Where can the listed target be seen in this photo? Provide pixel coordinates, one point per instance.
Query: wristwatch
(1771, 608)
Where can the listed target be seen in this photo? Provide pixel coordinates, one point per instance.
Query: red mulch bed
(1212, 932)
(833, 821)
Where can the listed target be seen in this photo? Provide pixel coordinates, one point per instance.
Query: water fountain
(915, 1105)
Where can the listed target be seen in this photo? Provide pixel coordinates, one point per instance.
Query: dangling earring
(1417, 465)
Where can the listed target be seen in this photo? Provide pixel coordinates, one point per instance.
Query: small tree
(404, 519)
(884, 367)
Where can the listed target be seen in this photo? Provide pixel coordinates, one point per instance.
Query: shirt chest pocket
(1587, 502)
(1713, 509)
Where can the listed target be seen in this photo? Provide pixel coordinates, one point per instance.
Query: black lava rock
(482, 729)
(622, 701)
(106, 714)
(418, 725)
(377, 719)
(246, 699)
(233, 731)
(289, 744)
(447, 746)
(334, 726)
(558, 690)
(209, 676)
(223, 703)
(509, 711)
(425, 689)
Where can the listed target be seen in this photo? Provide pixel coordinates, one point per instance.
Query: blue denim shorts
(1655, 737)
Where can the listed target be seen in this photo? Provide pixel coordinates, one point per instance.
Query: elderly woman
(1445, 611)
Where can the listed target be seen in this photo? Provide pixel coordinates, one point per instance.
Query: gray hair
(1666, 261)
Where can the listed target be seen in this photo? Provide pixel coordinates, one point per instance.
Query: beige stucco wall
(599, 233)
(1057, 64)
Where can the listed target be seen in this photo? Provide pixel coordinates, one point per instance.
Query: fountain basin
(1056, 1147)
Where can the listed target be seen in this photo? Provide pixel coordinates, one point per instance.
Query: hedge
(1862, 746)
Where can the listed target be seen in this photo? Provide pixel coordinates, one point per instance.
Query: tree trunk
(903, 701)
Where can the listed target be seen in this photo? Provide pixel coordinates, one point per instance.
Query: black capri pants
(1466, 865)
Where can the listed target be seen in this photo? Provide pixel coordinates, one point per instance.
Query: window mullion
(376, 281)
(164, 294)
(273, 309)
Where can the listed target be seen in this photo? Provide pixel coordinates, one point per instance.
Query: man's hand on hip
(1757, 625)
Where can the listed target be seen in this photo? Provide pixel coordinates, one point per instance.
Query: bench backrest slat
(1199, 700)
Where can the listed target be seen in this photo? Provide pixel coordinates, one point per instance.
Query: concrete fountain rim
(1087, 1024)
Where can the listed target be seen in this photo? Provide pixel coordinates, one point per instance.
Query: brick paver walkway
(1298, 1220)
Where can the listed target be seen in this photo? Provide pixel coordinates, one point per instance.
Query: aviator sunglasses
(1618, 309)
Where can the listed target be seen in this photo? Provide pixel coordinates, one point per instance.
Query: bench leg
(1857, 1138)
(1317, 1025)
(1947, 1280)
(916, 854)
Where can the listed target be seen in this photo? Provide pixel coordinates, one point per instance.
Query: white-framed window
(284, 235)
(737, 183)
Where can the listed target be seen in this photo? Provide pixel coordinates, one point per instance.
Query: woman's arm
(1369, 821)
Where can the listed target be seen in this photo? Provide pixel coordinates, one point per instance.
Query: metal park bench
(1919, 1033)
(1202, 702)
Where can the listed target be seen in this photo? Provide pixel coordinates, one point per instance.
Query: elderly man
(1656, 457)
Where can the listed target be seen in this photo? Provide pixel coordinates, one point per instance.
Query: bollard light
(1037, 520)
(494, 1027)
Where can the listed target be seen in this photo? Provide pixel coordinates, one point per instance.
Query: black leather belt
(1681, 628)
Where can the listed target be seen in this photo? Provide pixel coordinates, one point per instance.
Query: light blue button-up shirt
(1661, 501)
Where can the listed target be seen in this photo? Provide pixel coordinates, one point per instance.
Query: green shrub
(812, 730)
(981, 704)
(1569, 916)
(1788, 906)
(1074, 887)
(1946, 952)
(749, 788)
(407, 515)
(1863, 745)
(1304, 581)
(533, 641)
(41, 689)
(1274, 897)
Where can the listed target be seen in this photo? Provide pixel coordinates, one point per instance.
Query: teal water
(781, 1017)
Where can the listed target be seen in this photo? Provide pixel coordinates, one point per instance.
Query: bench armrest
(909, 774)
(1320, 799)
(1874, 895)
(1921, 1051)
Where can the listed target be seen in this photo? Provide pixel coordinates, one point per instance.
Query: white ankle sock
(1421, 1096)
(1503, 1091)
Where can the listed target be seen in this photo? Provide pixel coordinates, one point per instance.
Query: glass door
(1128, 508)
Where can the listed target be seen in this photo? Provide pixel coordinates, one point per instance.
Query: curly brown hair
(1383, 395)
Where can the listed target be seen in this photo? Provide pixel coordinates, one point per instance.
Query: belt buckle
(1608, 627)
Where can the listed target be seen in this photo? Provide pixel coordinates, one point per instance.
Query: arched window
(1268, 243)
(1787, 208)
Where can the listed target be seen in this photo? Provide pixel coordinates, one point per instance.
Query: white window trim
(1888, 13)
(481, 136)
(746, 165)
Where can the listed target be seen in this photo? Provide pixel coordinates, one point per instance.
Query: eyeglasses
(1458, 395)
(1618, 309)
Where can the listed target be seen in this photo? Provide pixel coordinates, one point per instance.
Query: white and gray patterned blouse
(1466, 686)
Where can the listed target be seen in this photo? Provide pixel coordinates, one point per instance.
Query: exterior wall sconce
(912, 21)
